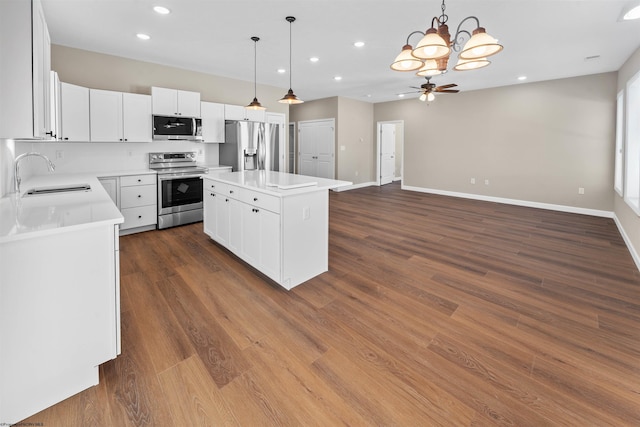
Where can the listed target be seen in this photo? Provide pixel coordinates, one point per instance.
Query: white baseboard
(354, 186)
(627, 241)
(516, 202)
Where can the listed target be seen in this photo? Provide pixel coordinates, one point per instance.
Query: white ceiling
(543, 39)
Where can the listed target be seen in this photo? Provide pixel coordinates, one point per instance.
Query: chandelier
(431, 55)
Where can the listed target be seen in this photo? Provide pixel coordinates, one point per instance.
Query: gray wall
(627, 218)
(536, 142)
(354, 133)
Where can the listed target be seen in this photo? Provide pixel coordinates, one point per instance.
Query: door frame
(292, 138)
(399, 124)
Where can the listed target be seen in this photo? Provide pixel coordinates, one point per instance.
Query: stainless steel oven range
(179, 188)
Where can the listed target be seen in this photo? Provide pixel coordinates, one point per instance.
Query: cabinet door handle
(139, 196)
(255, 199)
(226, 200)
(212, 195)
(139, 216)
(139, 180)
(230, 191)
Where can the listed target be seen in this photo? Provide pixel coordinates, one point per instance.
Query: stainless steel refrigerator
(250, 145)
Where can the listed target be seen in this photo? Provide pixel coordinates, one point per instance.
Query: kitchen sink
(57, 189)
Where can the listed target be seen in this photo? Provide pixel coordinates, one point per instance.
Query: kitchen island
(276, 222)
(59, 292)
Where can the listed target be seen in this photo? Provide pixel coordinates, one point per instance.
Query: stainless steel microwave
(177, 128)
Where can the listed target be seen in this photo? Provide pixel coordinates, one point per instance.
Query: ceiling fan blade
(447, 86)
(415, 87)
(448, 91)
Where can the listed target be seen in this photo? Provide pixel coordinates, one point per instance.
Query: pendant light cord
(255, 67)
(290, 73)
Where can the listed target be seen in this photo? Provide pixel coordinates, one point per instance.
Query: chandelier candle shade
(255, 104)
(431, 55)
(290, 97)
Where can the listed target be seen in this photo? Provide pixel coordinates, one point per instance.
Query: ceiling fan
(428, 89)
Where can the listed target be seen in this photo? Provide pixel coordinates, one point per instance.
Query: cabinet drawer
(261, 200)
(139, 195)
(129, 180)
(139, 217)
(224, 189)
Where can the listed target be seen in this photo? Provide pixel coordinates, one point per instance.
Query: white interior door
(387, 153)
(316, 148)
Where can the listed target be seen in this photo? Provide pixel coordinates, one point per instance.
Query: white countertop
(277, 183)
(35, 216)
(213, 168)
(106, 174)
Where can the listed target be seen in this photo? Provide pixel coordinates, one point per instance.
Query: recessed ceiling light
(162, 10)
(592, 57)
(401, 95)
(358, 44)
(314, 59)
(522, 78)
(142, 36)
(281, 70)
(337, 78)
(631, 11)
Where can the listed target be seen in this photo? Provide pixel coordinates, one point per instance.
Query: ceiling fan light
(432, 46)
(290, 98)
(430, 68)
(405, 61)
(480, 45)
(423, 97)
(471, 64)
(431, 97)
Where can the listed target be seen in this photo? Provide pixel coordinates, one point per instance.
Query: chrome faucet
(16, 167)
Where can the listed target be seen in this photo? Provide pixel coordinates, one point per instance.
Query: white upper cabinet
(105, 109)
(212, 122)
(136, 116)
(24, 66)
(172, 102)
(119, 117)
(239, 112)
(74, 112)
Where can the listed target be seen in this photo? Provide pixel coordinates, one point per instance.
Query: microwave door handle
(194, 131)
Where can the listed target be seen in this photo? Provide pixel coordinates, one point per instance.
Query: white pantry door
(316, 148)
(387, 153)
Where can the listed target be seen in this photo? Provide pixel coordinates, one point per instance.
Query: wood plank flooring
(435, 312)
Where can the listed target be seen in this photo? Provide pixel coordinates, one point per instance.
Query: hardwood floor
(435, 311)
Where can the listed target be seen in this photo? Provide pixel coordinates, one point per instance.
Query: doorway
(389, 152)
(316, 148)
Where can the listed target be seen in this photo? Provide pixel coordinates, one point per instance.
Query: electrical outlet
(59, 154)
(580, 190)
(306, 213)
(486, 182)
(129, 153)
(473, 180)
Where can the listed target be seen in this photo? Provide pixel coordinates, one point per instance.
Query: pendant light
(290, 97)
(255, 104)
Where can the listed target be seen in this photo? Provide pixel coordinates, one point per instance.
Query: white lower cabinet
(136, 197)
(59, 321)
(285, 238)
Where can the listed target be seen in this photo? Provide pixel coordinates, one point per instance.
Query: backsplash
(104, 157)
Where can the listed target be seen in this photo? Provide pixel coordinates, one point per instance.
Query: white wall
(627, 218)
(536, 142)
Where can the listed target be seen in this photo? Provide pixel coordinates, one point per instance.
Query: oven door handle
(174, 176)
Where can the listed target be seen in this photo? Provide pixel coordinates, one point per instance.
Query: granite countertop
(278, 183)
(34, 216)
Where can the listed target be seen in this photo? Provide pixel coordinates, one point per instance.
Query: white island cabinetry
(276, 222)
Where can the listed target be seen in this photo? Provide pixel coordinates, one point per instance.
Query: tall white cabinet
(25, 63)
